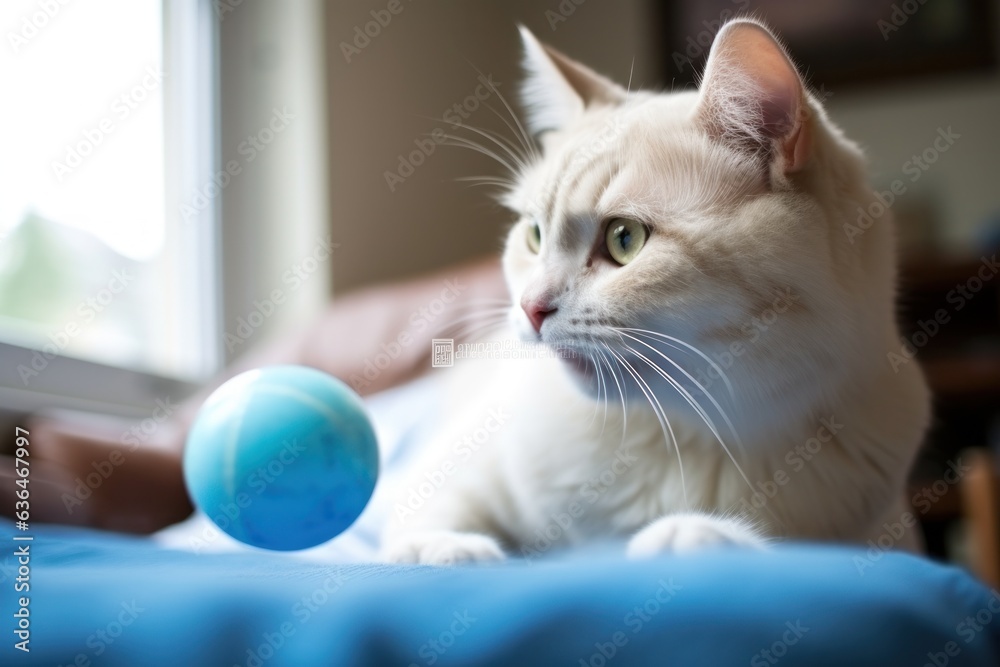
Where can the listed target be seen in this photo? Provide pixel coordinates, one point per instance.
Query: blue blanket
(101, 599)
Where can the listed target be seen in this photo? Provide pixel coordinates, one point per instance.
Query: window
(110, 111)
(89, 259)
(113, 211)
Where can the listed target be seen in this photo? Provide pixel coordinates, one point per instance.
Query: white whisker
(680, 389)
(495, 181)
(497, 139)
(725, 448)
(621, 392)
(462, 142)
(489, 299)
(524, 136)
(466, 326)
(701, 388)
(528, 151)
(660, 415)
(597, 403)
(673, 342)
(599, 361)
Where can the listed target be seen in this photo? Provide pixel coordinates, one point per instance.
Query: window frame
(191, 118)
(206, 48)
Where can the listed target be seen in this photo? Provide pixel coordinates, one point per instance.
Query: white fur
(554, 102)
(614, 454)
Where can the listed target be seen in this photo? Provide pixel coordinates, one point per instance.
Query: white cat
(729, 381)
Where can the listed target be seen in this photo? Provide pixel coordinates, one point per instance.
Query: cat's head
(648, 223)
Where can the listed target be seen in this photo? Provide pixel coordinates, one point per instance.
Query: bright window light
(88, 261)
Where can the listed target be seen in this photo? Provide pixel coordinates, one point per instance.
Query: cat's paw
(442, 547)
(684, 533)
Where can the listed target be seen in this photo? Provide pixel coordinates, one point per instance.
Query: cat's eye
(534, 238)
(624, 239)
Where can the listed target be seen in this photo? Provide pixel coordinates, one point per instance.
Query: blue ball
(282, 457)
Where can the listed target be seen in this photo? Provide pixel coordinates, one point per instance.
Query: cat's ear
(752, 96)
(557, 89)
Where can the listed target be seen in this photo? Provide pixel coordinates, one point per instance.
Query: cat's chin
(577, 364)
(583, 372)
(581, 366)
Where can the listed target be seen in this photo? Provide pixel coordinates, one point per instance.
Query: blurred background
(183, 180)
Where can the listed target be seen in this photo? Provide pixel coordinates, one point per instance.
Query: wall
(274, 215)
(422, 62)
(961, 189)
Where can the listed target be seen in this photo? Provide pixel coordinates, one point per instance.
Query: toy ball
(282, 457)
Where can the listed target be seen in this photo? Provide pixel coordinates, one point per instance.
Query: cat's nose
(537, 310)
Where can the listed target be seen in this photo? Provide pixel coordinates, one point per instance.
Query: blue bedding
(102, 599)
(191, 596)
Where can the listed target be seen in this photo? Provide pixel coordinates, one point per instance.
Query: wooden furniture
(962, 363)
(981, 509)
